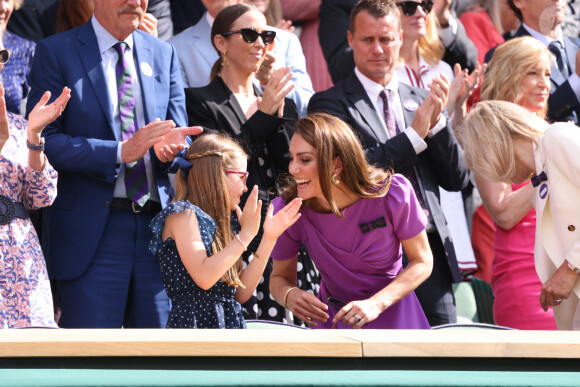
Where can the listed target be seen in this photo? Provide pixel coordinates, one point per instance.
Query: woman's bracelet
(242, 242)
(286, 296)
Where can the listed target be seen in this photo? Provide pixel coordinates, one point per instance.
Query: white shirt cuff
(418, 144)
(442, 123)
(448, 34)
(120, 153)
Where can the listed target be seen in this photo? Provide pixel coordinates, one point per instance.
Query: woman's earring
(334, 179)
(224, 60)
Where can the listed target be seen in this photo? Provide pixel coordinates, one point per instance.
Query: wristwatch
(39, 147)
(573, 268)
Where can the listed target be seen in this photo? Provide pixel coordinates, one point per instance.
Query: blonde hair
(205, 187)
(430, 46)
(489, 135)
(333, 138)
(510, 63)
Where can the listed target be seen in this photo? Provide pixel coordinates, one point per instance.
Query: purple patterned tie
(409, 173)
(135, 173)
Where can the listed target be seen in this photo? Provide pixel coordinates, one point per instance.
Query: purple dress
(25, 297)
(354, 265)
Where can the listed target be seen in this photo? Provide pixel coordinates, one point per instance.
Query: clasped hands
(165, 138)
(558, 287)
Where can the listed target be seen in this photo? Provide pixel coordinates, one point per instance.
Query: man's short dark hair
(516, 10)
(376, 8)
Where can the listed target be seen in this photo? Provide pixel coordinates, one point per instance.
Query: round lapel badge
(146, 69)
(543, 191)
(410, 105)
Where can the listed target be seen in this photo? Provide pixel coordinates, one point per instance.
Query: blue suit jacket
(197, 56)
(563, 105)
(82, 143)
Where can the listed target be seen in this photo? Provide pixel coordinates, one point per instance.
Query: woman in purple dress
(355, 219)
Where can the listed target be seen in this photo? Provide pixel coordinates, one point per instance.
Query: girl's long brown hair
(206, 188)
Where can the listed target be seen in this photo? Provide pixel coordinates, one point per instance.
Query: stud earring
(334, 179)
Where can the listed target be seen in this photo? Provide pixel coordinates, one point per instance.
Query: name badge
(543, 191)
(410, 105)
(146, 69)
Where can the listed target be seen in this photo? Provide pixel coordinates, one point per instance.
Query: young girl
(199, 254)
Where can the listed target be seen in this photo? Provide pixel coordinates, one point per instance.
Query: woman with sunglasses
(28, 182)
(261, 123)
(199, 253)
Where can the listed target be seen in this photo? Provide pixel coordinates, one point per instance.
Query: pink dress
(514, 281)
(25, 297)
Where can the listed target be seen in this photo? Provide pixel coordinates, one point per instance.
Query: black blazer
(563, 105)
(335, 22)
(441, 164)
(266, 138)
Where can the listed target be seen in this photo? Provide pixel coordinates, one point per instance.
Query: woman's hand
(358, 313)
(558, 287)
(275, 91)
(275, 225)
(307, 307)
(462, 87)
(4, 126)
(44, 114)
(250, 217)
(285, 25)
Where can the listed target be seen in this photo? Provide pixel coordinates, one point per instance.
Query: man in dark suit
(423, 147)
(334, 22)
(111, 151)
(542, 19)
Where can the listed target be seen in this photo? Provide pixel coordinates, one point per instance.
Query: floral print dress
(25, 297)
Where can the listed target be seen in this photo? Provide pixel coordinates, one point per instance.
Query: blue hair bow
(180, 163)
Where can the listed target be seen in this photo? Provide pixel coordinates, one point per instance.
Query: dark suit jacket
(563, 105)
(215, 108)
(82, 143)
(335, 22)
(441, 164)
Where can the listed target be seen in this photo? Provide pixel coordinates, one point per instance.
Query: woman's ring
(557, 301)
(357, 319)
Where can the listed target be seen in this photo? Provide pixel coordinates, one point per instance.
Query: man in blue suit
(197, 56)
(96, 234)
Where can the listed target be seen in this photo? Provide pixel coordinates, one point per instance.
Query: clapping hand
(44, 114)
(462, 87)
(174, 141)
(149, 24)
(275, 91)
(250, 217)
(275, 225)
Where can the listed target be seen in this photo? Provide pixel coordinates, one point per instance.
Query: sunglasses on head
(410, 7)
(4, 56)
(250, 35)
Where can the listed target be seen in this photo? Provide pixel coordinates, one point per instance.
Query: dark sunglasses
(410, 7)
(250, 35)
(4, 56)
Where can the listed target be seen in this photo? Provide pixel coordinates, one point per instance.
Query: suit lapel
(571, 49)
(235, 115)
(144, 59)
(91, 59)
(202, 36)
(360, 100)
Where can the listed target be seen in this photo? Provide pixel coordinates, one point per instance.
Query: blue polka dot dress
(193, 307)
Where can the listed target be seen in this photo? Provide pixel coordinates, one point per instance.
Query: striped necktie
(135, 173)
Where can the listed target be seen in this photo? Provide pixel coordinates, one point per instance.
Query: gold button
(571, 227)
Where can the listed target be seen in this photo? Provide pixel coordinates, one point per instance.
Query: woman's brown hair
(332, 138)
(206, 188)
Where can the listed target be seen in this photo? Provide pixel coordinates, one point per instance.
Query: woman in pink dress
(28, 182)
(353, 223)
(519, 72)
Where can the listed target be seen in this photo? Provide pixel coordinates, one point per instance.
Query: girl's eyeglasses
(4, 56)
(410, 7)
(244, 175)
(250, 35)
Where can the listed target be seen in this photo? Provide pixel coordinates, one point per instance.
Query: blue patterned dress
(25, 297)
(15, 72)
(193, 307)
